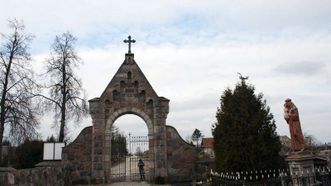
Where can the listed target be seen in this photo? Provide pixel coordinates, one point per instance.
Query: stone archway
(88, 157)
(130, 110)
(124, 166)
(129, 92)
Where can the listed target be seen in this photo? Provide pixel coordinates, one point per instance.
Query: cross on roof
(129, 41)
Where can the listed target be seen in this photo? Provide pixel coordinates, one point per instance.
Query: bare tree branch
(17, 111)
(48, 99)
(65, 87)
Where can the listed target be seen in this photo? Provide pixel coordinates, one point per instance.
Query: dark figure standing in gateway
(141, 170)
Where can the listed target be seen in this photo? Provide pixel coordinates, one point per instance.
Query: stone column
(160, 145)
(100, 164)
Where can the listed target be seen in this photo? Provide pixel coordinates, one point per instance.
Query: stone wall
(51, 175)
(181, 157)
(77, 157)
(74, 168)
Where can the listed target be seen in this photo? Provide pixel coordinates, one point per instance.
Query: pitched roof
(207, 142)
(130, 66)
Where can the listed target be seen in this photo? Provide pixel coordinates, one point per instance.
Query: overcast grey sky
(191, 50)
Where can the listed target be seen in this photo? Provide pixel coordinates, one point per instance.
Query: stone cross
(129, 41)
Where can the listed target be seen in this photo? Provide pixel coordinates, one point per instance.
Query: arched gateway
(129, 92)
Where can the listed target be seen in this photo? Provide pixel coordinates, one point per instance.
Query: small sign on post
(53, 151)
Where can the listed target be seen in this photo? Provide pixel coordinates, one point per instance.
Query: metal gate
(124, 166)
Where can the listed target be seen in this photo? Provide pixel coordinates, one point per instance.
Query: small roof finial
(242, 78)
(129, 41)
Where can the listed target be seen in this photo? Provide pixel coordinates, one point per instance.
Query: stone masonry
(129, 92)
(181, 157)
(76, 157)
(49, 174)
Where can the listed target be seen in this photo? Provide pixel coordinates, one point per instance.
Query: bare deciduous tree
(17, 111)
(65, 87)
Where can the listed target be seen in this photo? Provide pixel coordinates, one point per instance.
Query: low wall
(181, 157)
(75, 167)
(52, 174)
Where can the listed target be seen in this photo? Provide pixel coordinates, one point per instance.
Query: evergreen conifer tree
(245, 135)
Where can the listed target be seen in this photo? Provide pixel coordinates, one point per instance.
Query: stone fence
(46, 174)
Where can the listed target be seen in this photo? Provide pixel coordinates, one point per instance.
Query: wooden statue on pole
(291, 115)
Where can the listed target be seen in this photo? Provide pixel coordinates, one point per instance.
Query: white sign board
(48, 151)
(58, 151)
(53, 151)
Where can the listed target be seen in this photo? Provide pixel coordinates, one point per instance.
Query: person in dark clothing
(141, 170)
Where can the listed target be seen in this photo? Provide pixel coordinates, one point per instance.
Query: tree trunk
(63, 104)
(61, 136)
(1, 137)
(2, 115)
(3, 102)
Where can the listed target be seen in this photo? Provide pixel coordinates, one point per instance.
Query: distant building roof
(207, 142)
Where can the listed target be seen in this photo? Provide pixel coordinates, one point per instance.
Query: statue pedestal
(300, 163)
(302, 167)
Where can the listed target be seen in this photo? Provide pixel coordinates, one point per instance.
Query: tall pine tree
(245, 135)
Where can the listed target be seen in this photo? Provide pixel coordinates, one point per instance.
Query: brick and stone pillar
(100, 164)
(160, 145)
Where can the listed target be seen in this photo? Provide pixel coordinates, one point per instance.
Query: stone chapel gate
(88, 157)
(129, 92)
